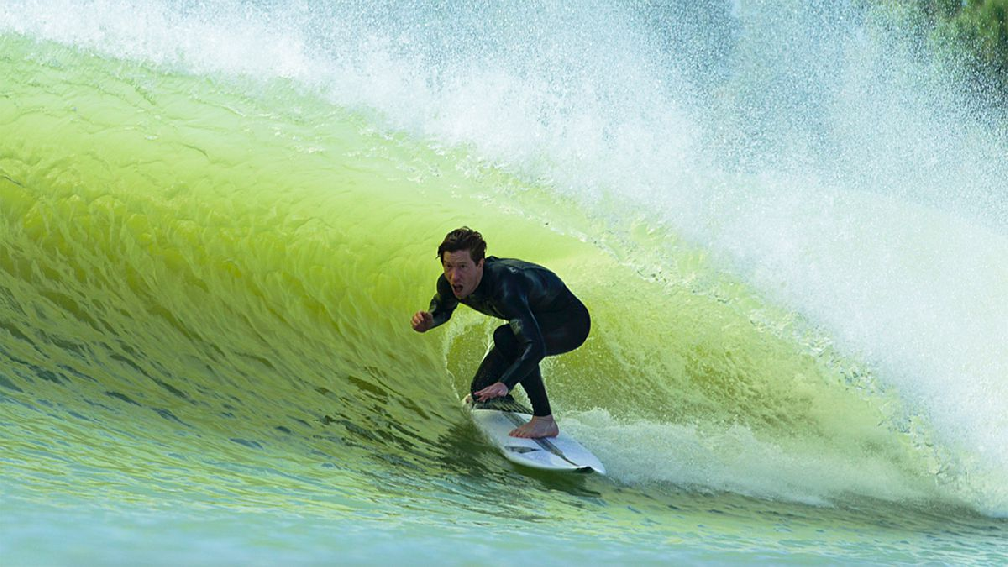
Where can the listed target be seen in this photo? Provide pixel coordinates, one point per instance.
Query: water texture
(216, 221)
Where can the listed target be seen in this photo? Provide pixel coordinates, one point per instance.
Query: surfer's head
(461, 254)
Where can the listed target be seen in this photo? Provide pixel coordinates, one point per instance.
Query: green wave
(205, 279)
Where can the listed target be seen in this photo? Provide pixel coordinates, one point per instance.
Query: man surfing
(543, 319)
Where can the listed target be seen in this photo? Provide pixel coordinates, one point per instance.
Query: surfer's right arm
(441, 308)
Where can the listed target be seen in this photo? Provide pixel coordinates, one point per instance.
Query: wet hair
(463, 238)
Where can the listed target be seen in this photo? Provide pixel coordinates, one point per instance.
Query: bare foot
(540, 426)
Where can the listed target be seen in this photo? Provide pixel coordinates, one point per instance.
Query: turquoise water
(217, 221)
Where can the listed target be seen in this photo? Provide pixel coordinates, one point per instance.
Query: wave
(222, 219)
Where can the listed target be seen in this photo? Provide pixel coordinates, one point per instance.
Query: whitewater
(788, 220)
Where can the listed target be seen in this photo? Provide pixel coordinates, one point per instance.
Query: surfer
(543, 319)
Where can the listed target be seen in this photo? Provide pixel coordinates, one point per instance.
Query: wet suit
(543, 319)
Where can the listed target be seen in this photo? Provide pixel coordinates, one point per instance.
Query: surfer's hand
(422, 321)
(492, 391)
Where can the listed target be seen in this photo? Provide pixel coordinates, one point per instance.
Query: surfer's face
(461, 272)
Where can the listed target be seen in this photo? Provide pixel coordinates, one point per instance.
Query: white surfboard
(560, 453)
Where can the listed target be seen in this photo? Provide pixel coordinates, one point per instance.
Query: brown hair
(463, 238)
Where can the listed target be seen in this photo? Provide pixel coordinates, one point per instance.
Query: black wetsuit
(544, 319)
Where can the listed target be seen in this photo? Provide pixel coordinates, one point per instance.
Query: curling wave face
(216, 282)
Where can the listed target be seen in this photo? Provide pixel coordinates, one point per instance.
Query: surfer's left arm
(530, 340)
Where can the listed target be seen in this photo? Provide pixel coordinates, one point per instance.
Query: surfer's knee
(505, 341)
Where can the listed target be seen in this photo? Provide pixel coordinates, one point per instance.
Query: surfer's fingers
(419, 324)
